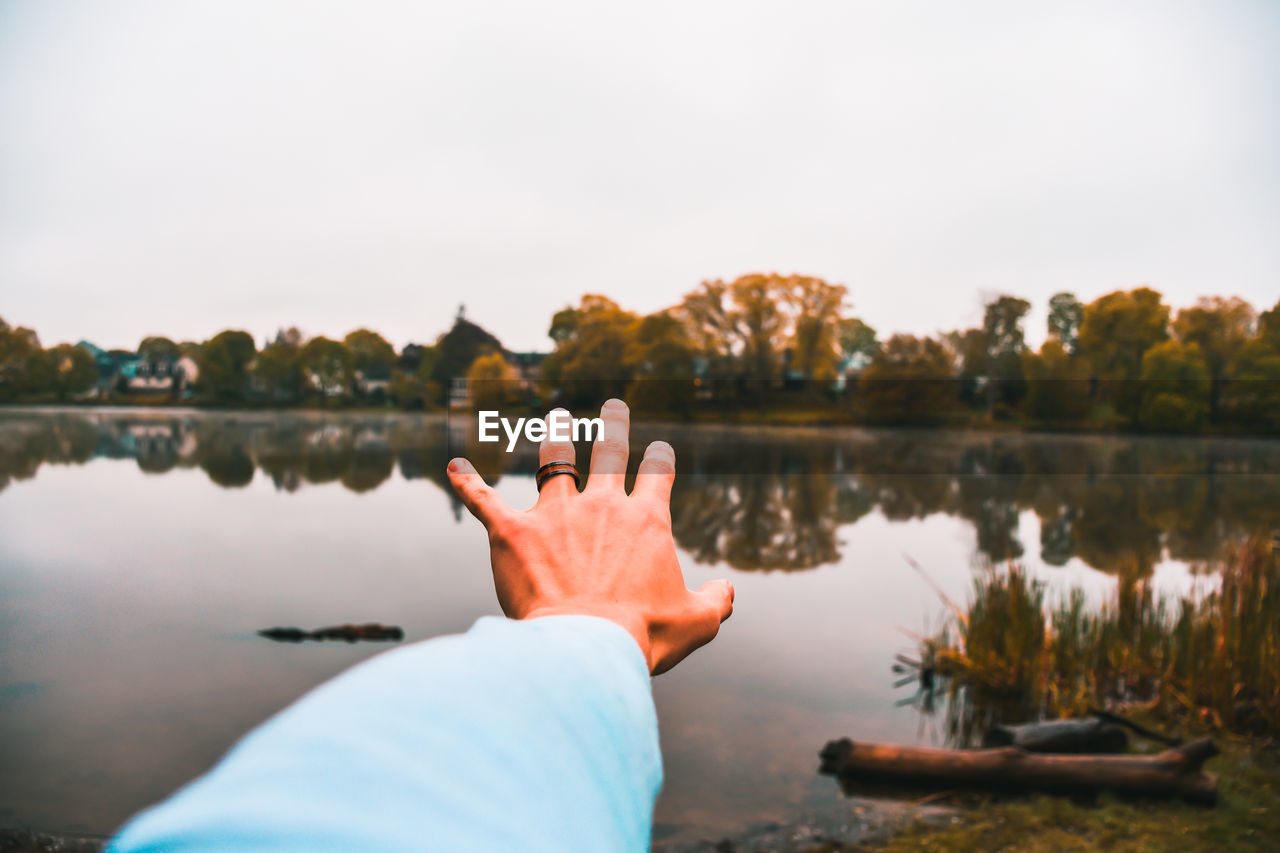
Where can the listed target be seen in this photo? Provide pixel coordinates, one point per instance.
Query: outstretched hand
(600, 552)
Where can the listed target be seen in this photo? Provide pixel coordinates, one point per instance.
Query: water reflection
(131, 590)
(754, 501)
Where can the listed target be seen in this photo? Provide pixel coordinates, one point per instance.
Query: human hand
(600, 552)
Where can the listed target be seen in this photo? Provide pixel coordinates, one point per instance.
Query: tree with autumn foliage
(1115, 333)
(1252, 396)
(1176, 383)
(21, 363)
(909, 380)
(1220, 327)
(815, 309)
(491, 382)
(71, 371)
(660, 359)
(757, 325)
(1057, 384)
(590, 359)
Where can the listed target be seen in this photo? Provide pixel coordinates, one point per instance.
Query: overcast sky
(181, 167)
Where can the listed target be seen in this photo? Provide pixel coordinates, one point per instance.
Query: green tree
(564, 324)
(1253, 394)
(329, 364)
(458, 348)
(1175, 388)
(1220, 327)
(411, 387)
(1268, 327)
(1057, 384)
(908, 381)
(857, 338)
(1065, 315)
(1004, 344)
(492, 382)
(279, 366)
(410, 391)
(373, 360)
(1115, 334)
(224, 364)
(967, 352)
(157, 348)
(427, 358)
(370, 351)
(71, 370)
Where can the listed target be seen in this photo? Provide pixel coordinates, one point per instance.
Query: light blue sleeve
(538, 735)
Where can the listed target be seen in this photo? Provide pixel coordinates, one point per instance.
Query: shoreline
(785, 421)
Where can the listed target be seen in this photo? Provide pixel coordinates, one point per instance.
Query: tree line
(760, 345)
(1124, 360)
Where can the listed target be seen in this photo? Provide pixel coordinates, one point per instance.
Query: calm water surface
(140, 551)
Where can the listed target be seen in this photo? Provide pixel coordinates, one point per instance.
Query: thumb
(483, 502)
(718, 594)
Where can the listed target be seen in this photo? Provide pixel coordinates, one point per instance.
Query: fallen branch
(1142, 731)
(1173, 773)
(372, 632)
(1073, 736)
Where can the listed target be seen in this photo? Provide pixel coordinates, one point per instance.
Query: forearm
(533, 735)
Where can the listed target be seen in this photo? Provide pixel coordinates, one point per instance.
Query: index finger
(609, 454)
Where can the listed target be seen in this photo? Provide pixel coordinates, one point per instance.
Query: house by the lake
(124, 372)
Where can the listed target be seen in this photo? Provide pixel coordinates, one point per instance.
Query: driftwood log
(1173, 773)
(1061, 736)
(372, 632)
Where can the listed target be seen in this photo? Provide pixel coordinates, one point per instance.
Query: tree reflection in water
(754, 499)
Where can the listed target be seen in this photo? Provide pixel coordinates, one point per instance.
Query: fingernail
(458, 465)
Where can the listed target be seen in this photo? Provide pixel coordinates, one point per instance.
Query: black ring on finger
(551, 469)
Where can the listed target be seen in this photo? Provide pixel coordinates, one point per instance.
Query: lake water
(141, 551)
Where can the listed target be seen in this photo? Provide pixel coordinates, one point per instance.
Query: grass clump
(1212, 659)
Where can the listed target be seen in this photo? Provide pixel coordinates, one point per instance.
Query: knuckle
(504, 527)
(614, 444)
(710, 621)
(656, 514)
(658, 467)
(613, 502)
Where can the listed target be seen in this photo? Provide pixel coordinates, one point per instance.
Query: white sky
(182, 167)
